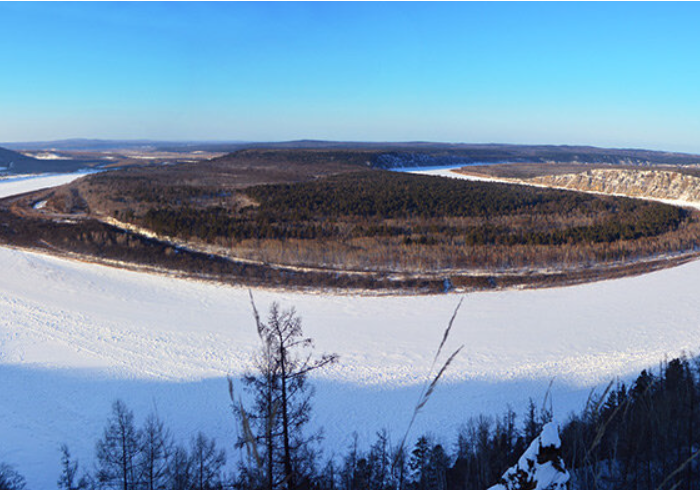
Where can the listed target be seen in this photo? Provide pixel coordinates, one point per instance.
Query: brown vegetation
(320, 218)
(403, 223)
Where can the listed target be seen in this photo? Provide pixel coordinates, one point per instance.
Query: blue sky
(606, 74)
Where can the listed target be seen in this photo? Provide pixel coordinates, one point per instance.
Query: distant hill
(470, 154)
(17, 163)
(11, 161)
(421, 153)
(424, 154)
(84, 144)
(392, 154)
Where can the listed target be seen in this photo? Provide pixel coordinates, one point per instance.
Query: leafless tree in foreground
(280, 449)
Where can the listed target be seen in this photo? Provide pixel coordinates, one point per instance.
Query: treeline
(417, 210)
(645, 436)
(390, 195)
(328, 209)
(212, 223)
(636, 224)
(476, 458)
(136, 189)
(128, 457)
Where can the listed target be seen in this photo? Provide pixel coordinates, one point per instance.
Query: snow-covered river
(75, 336)
(19, 184)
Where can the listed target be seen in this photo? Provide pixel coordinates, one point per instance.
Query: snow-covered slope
(644, 183)
(75, 336)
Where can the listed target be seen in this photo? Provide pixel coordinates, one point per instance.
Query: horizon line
(334, 141)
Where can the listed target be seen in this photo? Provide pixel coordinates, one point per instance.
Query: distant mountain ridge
(422, 153)
(16, 163)
(425, 154)
(470, 154)
(11, 161)
(388, 155)
(88, 144)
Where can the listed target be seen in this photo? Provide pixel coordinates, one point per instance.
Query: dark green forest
(416, 208)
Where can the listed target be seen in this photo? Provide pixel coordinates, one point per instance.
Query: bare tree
(206, 463)
(156, 451)
(282, 405)
(180, 470)
(118, 450)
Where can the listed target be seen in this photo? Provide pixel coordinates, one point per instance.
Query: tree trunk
(270, 446)
(289, 476)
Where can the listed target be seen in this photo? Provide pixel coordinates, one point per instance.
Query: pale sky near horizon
(604, 74)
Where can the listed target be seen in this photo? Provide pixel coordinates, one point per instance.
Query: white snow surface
(550, 435)
(76, 336)
(46, 156)
(19, 184)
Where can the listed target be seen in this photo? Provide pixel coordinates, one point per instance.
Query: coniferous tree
(363, 474)
(420, 464)
(438, 464)
(533, 423)
(10, 479)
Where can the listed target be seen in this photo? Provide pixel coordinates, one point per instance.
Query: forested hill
(409, 155)
(384, 155)
(535, 154)
(12, 161)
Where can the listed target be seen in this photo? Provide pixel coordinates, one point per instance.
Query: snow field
(75, 336)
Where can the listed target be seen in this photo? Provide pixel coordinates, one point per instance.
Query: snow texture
(540, 467)
(75, 336)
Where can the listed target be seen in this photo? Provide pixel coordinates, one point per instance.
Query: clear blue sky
(607, 74)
